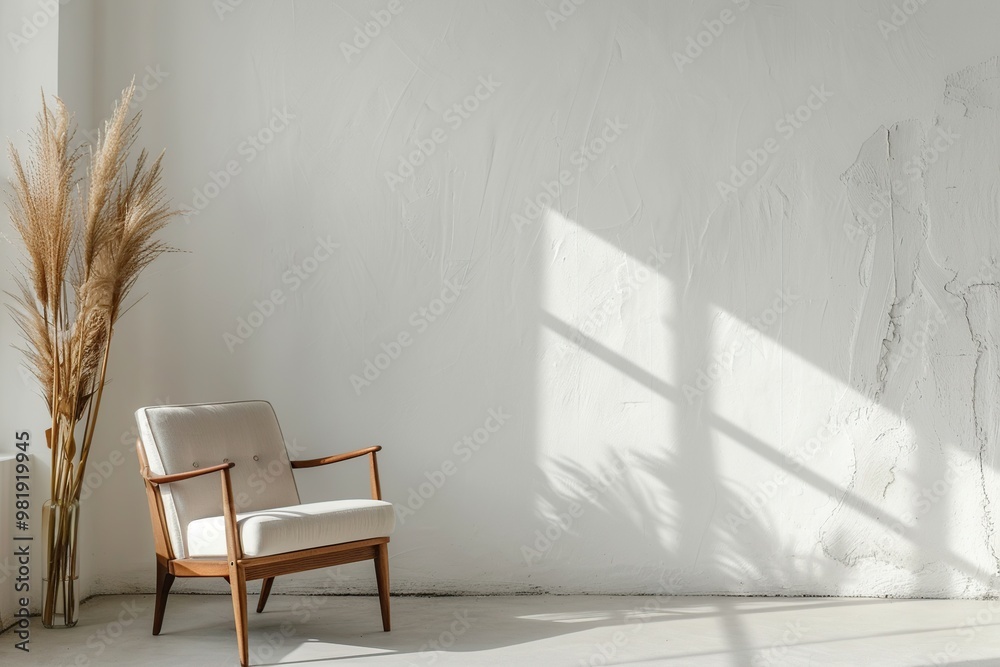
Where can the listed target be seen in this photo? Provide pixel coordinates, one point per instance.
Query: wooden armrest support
(336, 458)
(181, 476)
(234, 546)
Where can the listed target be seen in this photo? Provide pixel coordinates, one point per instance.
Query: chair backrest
(180, 438)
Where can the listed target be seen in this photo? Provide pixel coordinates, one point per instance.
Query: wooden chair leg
(382, 577)
(265, 590)
(238, 585)
(164, 580)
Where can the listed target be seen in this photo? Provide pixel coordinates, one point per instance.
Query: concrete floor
(527, 630)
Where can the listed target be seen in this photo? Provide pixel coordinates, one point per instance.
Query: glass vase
(60, 568)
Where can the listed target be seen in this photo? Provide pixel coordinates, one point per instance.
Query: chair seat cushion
(284, 529)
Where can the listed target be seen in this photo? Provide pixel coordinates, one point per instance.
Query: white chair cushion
(181, 438)
(283, 529)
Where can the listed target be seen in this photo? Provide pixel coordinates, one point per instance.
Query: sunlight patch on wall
(605, 355)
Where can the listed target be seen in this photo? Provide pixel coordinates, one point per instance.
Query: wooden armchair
(223, 503)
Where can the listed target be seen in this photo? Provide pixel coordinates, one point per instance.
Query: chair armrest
(335, 458)
(234, 545)
(181, 476)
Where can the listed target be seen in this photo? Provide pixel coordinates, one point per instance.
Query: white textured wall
(28, 63)
(748, 380)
